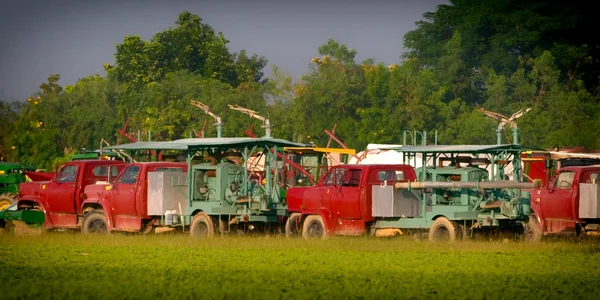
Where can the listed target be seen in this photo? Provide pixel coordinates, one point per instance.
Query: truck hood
(95, 191)
(294, 197)
(39, 176)
(31, 190)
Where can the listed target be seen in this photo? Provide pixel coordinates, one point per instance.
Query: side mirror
(547, 162)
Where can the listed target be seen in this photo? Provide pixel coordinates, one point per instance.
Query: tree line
(500, 55)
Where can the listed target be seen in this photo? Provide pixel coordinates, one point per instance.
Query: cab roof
(199, 143)
(465, 148)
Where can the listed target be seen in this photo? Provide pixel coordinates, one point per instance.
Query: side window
(564, 180)
(387, 175)
(130, 175)
(100, 171)
(67, 174)
(590, 177)
(400, 175)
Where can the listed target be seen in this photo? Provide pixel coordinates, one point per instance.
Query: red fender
(327, 219)
(106, 210)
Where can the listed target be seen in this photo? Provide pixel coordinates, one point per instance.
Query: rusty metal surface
(493, 184)
(225, 142)
(466, 148)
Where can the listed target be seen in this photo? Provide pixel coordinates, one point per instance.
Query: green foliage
(192, 46)
(502, 56)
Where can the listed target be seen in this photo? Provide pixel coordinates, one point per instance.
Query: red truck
(569, 204)
(60, 198)
(123, 204)
(341, 202)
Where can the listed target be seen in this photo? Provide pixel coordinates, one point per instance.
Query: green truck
(218, 193)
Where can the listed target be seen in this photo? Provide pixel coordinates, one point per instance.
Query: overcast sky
(74, 38)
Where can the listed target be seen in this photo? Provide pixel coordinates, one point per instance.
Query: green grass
(65, 266)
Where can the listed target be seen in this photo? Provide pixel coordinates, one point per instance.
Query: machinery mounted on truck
(57, 203)
(217, 196)
(448, 202)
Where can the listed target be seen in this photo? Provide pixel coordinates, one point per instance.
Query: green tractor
(11, 175)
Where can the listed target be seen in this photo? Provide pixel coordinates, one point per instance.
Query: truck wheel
(443, 229)
(202, 226)
(291, 229)
(94, 222)
(531, 230)
(6, 200)
(314, 227)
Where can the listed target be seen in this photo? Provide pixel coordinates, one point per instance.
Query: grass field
(66, 266)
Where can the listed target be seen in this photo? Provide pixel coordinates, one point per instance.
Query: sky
(75, 38)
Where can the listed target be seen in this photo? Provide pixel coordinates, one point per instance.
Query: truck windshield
(564, 180)
(67, 174)
(130, 174)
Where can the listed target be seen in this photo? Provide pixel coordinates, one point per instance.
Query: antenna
(205, 108)
(512, 121)
(253, 114)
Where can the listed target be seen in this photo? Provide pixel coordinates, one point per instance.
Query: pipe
(268, 128)
(536, 184)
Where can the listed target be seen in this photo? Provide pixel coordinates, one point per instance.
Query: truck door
(344, 194)
(556, 203)
(124, 192)
(61, 191)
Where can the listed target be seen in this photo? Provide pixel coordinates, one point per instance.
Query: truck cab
(60, 198)
(341, 202)
(122, 204)
(569, 203)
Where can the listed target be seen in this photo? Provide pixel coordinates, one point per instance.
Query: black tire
(291, 229)
(531, 230)
(6, 200)
(8, 228)
(443, 229)
(314, 227)
(203, 226)
(94, 222)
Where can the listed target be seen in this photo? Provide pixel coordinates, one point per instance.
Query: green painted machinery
(11, 175)
(462, 190)
(234, 184)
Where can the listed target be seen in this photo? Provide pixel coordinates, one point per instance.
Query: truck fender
(536, 210)
(35, 201)
(326, 215)
(540, 222)
(96, 205)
